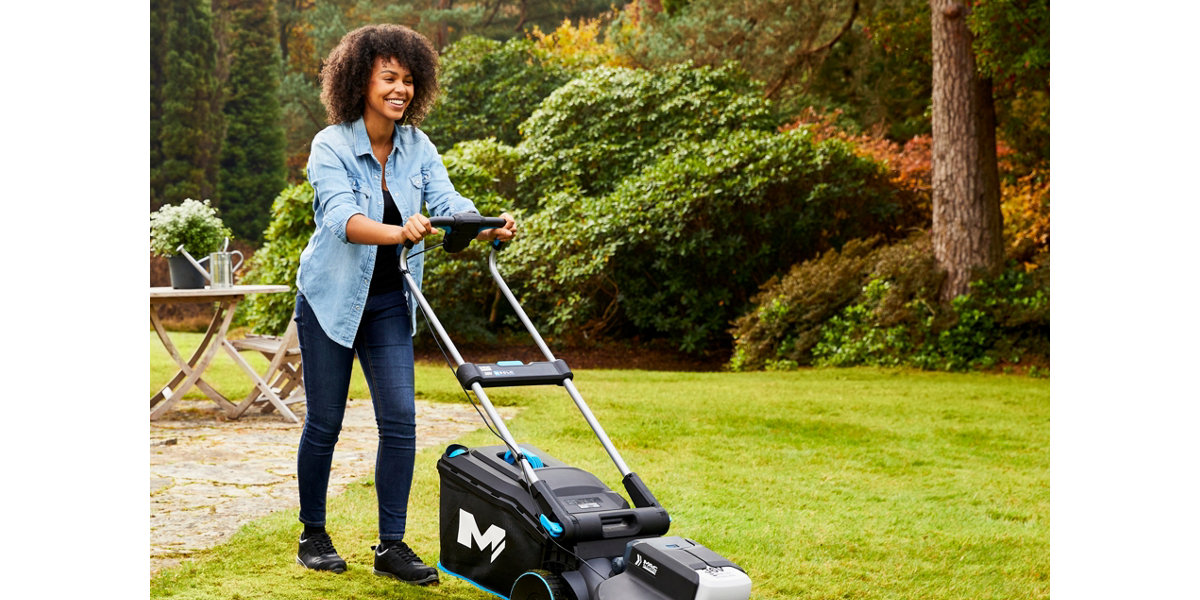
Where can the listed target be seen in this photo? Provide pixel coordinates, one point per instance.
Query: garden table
(191, 371)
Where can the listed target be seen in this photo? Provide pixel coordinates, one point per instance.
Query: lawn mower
(523, 525)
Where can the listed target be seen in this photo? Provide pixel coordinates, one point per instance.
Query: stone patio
(209, 475)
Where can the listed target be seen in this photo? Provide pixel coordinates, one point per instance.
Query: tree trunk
(442, 37)
(966, 182)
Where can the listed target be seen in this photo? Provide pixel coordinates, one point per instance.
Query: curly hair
(347, 70)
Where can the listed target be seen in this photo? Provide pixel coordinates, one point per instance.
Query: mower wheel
(540, 585)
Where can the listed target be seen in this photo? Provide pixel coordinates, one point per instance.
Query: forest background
(750, 182)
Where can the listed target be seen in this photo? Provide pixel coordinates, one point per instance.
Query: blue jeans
(383, 345)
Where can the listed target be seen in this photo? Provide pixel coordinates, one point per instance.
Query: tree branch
(521, 22)
(492, 15)
(740, 36)
(801, 56)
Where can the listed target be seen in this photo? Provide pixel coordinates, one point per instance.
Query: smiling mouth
(397, 103)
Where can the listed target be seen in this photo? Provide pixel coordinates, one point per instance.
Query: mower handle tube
(638, 492)
(567, 383)
(440, 331)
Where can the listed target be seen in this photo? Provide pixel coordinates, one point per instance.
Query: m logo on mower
(468, 531)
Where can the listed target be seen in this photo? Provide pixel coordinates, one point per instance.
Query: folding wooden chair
(283, 382)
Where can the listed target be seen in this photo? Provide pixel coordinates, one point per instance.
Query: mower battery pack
(675, 567)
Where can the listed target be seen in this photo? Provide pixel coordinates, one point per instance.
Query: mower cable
(471, 400)
(424, 250)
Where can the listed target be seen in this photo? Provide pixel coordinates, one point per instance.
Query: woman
(372, 170)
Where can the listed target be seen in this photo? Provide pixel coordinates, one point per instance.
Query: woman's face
(389, 91)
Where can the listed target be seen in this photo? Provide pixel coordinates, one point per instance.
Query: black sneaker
(316, 552)
(398, 561)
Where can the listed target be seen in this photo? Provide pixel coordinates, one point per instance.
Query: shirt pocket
(418, 181)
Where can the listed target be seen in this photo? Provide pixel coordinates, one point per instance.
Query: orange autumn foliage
(908, 165)
(1025, 204)
(1024, 198)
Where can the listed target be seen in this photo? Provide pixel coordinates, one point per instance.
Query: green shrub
(677, 251)
(900, 289)
(459, 285)
(558, 266)
(1002, 319)
(610, 123)
(486, 172)
(489, 88)
(963, 345)
(460, 289)
(785, 320)
(852, 338)
(278, 260)
(892, 316)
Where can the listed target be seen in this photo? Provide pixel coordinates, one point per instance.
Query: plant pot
(184, 275)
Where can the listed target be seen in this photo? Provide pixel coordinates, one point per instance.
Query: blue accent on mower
(554, 529)
(533, 459)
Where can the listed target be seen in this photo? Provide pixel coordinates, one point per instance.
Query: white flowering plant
(193, 223)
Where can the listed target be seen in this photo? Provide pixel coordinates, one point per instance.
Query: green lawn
(838, 483)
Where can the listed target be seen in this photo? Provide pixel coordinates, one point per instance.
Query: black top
(386, 277)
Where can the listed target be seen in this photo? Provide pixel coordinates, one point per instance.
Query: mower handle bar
(484, 222)
(469, 222)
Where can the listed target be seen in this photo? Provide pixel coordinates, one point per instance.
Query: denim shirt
(335, 274)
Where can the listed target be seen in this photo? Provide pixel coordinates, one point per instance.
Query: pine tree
(190, 133)
(252, 157)
(157, 79)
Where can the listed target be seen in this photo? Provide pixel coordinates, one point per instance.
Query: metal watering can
(220, 263)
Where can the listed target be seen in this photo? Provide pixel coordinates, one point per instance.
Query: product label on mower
(493, 372)
(646, 565)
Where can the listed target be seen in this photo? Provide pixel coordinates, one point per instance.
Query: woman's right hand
(416, 228)
(362, 230)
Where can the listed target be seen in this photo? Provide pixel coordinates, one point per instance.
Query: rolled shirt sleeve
(334, 201)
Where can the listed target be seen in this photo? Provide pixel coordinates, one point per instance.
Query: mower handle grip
(611, 524)
(483, 222)
(461, 228)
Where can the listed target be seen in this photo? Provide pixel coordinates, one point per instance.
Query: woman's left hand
(504, 234)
